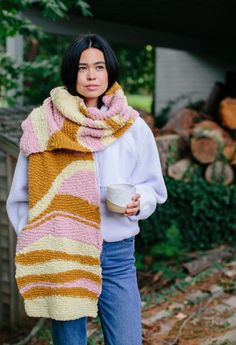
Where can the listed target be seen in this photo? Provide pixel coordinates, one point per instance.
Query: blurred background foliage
(43, 53)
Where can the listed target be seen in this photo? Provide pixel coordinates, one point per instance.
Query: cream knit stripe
(73, 307)
(46, 268)
(68, 104)
(40, 126)
(59, 243)
(106, 141)
(67, 172)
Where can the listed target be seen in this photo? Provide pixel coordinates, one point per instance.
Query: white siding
(180, 73)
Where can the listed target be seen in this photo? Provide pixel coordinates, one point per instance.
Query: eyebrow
(96, 63)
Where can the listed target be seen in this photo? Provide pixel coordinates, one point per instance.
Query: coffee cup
(119, 196)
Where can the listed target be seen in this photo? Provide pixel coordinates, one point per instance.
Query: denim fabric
(119, 304)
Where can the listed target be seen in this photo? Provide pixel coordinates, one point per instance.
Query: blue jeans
(119, 304)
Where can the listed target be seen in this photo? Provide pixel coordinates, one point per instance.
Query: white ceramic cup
(119, 196)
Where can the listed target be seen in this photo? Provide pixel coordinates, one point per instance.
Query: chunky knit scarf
(58, 252)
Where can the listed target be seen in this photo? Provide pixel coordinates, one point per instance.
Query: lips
(92, 87)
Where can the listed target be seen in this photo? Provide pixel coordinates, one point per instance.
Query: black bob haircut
(70, 62)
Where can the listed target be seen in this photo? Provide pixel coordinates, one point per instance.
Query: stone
(228, 338)
(158, 316)
(216, 290)
(176, 306)
(197, 297)
(220, 308)
(231, 320)
(230, 302)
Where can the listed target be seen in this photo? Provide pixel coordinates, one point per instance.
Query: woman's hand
(134, 206)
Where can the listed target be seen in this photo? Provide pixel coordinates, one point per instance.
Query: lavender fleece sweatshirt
(133, 158)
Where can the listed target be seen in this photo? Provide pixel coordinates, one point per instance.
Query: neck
(91, 102)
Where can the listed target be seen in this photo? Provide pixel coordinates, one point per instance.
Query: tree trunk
(219, 172)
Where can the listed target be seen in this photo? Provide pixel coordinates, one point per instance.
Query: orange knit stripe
(55, 162)
(111, 123)
(74, 205)
(58, 277)
(41, 291)
(66, 138)
(122, 130)
(58, 214)
(37, 256)
(113, 89)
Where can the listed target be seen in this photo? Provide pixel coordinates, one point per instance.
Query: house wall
(180, 73)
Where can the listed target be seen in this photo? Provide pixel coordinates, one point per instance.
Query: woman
(74, 257)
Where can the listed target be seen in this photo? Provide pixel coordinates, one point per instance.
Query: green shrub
(203, 213)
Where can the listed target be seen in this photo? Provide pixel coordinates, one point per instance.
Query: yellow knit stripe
(67, 276)
(40, 126)
(43, 255)
(55, 266)
(61, 308)
(67, 172)
(55, 162)
(57, 243)
(42, 291)
(49, 216)
(71, 204)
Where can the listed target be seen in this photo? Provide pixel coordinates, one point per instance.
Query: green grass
(140, 101)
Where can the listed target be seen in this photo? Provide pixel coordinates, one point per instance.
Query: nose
(91, 75)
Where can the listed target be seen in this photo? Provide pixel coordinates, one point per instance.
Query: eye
(82, 68)
(99, 67)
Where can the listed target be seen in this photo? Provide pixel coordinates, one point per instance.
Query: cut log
(211, 129)
(171, 148)
(204, 150)
(227, 112)
(182, 120)
(178, 169)
(229, 151)
(219, 172)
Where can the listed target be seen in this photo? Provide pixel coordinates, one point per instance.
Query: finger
(130, 214)
(136, 196)
(133, 204)
(131, 210)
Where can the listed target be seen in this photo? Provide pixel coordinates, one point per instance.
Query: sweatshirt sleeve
(147, 175)
(17, 202)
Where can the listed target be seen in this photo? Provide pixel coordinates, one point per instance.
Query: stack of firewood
(191, 139)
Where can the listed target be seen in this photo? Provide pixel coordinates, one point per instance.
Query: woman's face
(92, 78)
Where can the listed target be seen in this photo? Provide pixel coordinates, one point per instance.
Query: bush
(203, 213)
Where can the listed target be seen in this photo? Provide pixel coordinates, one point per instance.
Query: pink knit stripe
(93, 132)
(74, 185)
(54, 118)
(94, 143)
(59, 213)
(84, 283)
(29, 143)
(60, 227)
